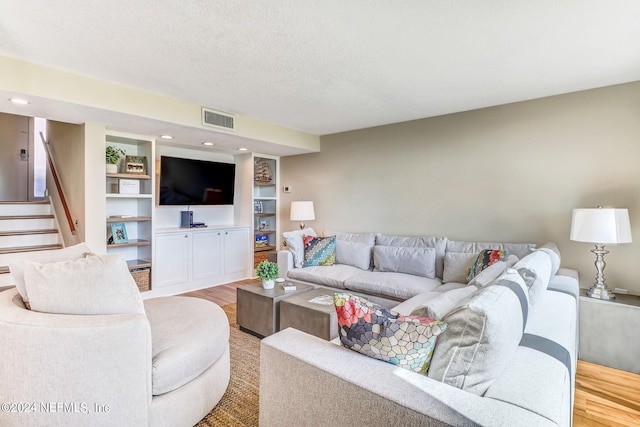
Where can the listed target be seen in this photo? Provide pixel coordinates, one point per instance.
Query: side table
(608, 334)
(316, 319)
(259, 308)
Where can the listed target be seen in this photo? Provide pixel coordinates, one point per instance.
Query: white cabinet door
(206, 254)
(236, 250)
(171, 260)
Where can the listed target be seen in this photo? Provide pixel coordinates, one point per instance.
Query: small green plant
(268, 270)
(113, 154)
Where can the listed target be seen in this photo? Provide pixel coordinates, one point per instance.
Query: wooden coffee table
(315, 319)
(258, 308)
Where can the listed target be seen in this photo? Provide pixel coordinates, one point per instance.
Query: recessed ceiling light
(207, 143)
(242, 149)
(166, 137)
(19, 101)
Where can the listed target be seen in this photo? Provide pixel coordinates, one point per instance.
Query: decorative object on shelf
(600, 226)
(262, 241)
(262, 171)
(112, 156)
(263, 226)
(119, 233)
(257, 207)
(302, 211)
(268, 272)
(128, 186)
(136, 165)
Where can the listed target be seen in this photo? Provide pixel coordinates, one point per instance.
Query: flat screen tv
(195, 182)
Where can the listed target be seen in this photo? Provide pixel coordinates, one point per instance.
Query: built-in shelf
(265, 214)
(266, 198)
(263, 183)
(128, 176)
(129, 219)
(264, 248)
(138, 263)
(128, 196)
(130, 243)
(264, 232)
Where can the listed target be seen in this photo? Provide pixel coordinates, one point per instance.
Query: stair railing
(54, 173)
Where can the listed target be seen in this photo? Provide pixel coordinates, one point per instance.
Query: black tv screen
(195, 182)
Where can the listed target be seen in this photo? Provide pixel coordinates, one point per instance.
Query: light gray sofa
(508, 358)
(365, 265)
(168, 367)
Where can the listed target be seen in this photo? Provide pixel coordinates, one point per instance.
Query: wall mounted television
(195, 182)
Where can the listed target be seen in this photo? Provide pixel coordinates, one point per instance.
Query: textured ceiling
(330, 66)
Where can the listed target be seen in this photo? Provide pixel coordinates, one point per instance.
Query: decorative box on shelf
(128, 186)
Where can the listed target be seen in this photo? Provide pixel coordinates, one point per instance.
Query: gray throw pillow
(416, 261)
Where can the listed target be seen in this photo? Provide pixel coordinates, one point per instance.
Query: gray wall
(506, 173)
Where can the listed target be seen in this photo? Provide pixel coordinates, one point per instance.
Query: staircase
(26, 227)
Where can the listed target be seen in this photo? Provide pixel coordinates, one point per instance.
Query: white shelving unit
(135, 211)
(265, 206)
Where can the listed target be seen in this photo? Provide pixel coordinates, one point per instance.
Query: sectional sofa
(507, 358)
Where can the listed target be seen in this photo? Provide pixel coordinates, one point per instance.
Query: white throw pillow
(552, 250)
(489, 274)
(16, 265)
(416, 261)
(535, 269)
(442, 304)
(91, 285)
(295, 244)
(457, 266)
(355, 254)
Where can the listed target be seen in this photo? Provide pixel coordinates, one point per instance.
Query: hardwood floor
(221, 295)
(606, 396)
(603, 396)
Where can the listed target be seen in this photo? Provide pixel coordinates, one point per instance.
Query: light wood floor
(603, 396)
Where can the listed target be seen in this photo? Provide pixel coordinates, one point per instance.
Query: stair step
(13, 217)
(30, 248)
(24, 208)
(27, 232)
(9, 202)
(4, 269)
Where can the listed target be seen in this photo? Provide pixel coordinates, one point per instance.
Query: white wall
(507, 173)
(67, 147)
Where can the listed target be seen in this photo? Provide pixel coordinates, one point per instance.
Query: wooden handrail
(63, 200)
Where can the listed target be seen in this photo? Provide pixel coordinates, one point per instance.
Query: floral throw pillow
(405, 341)
(485, 259)
(319, 251)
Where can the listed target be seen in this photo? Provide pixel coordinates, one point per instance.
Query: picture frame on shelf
(119, 233)
(136, 165)
(257, 207)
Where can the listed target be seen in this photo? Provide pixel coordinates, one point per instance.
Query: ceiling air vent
(217, 119)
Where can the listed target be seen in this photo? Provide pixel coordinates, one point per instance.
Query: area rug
(239, 405)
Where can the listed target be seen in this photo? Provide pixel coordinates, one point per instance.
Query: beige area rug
(239, 405)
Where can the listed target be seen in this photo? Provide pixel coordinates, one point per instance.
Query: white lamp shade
(302, 211)
(601, 226)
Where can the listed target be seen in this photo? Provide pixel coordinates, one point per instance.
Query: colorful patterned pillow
(319, 251)
(485, 259)
(405, 341)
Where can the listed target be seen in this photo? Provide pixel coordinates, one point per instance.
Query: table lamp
(302, 211)
(600, 226)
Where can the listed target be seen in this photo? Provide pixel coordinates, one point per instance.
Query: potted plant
(113, 155)
(268, 272)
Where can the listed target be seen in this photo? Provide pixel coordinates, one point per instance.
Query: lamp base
(600, 292)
